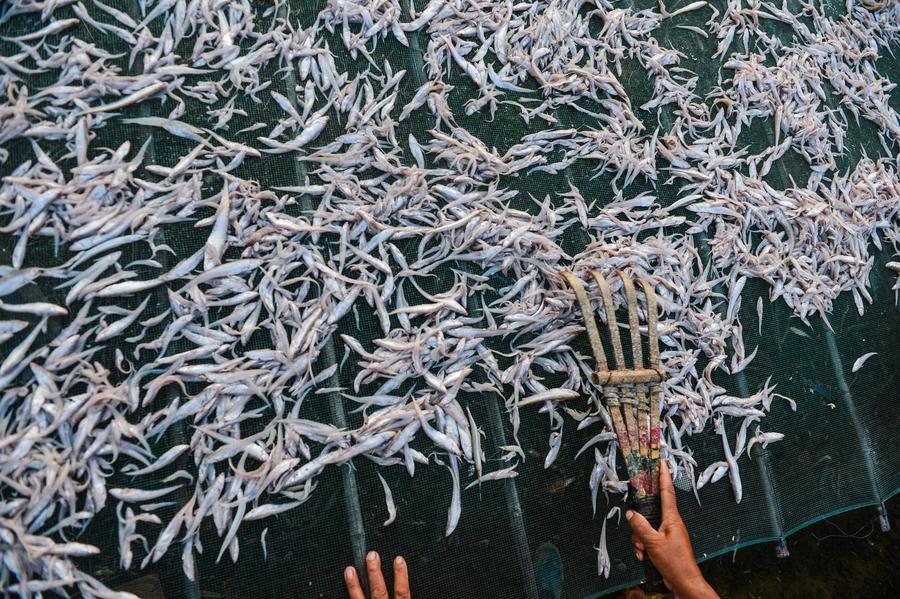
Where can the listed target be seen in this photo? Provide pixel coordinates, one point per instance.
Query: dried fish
(860, 361)
(389, 500)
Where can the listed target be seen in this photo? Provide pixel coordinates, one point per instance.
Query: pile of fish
(177, 386)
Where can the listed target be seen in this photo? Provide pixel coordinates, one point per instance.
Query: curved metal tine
(633, 322)
(652, 323)
(589, 322)
(653, 348)
(611, 323)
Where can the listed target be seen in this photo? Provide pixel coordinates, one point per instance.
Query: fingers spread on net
(354, 589)
(401, 579)
(376, 578)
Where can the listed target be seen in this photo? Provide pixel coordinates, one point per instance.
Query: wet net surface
(840, 449)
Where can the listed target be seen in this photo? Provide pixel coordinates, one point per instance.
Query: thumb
(641, 528)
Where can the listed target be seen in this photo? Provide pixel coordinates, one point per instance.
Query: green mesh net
(840, 451)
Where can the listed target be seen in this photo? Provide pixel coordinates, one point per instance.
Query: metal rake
(630, 395)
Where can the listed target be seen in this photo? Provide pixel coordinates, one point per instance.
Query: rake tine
(640, 391)
(634, 413)
(652, 330)
(623, 436)
(611, 323)
(653, 334)
(589, 323)
(633, 322)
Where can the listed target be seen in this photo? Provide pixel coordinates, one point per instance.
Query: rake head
(630, 394)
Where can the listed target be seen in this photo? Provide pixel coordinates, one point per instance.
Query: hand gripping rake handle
(650, 508)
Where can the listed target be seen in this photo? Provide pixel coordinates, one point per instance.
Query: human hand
(377, 585)
(669, 548)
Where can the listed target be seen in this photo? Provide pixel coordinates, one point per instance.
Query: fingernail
(628, 514)
(398, 560)
(349, 573)
(372, 556)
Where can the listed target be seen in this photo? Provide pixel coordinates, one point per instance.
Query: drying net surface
(839, 450)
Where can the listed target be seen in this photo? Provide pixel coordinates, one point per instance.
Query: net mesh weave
(840, 450)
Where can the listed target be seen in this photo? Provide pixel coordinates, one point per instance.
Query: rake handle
(650, 508)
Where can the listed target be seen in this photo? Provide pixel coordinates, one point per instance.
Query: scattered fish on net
(243, 330)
